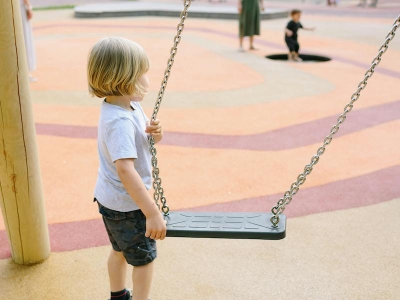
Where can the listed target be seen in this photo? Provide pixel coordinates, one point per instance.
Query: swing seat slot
(224, 225)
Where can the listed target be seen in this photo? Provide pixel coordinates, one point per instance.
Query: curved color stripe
(355, 192)
(278, 46)
(379, 186)
(289, 137)
(284, 138)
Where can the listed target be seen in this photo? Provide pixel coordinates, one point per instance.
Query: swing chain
(158, 190)
(301, 178)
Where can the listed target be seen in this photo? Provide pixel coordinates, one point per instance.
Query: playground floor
(238, 130)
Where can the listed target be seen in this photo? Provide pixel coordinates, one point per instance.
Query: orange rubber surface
(238, 129)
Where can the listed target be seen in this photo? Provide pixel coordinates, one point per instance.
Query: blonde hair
(114, 67)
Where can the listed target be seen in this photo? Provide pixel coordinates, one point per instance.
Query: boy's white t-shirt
(121, 134)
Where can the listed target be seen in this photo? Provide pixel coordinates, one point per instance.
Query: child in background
(117, 72)
(291, 35)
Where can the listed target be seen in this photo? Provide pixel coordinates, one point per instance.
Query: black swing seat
(224, 225)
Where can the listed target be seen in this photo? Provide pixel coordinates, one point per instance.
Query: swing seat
(224, 225)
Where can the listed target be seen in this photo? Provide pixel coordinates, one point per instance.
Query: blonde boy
(117, 72)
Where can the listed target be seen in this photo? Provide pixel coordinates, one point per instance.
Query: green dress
(249, 19)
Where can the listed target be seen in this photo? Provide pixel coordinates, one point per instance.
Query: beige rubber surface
(353, 254)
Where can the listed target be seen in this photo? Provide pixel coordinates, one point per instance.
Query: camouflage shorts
(126, 233)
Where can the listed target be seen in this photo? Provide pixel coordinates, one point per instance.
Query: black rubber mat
(224, 225)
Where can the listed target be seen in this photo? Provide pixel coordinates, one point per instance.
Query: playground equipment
(21, 195)
(270, 226)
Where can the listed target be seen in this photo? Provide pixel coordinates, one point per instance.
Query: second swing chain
(301, 178)
(158, 190)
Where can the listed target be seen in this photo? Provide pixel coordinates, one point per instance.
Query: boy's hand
(154, 128)
(156, 227)
(289, 32)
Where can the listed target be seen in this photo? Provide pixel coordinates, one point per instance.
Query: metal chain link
(158, 190)
(301, 178)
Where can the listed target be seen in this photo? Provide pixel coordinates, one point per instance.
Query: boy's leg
(290, 42)
(296, 50)
(141, 280)
(117, 271)
(296, 47)
(296, 57)
(127, 233)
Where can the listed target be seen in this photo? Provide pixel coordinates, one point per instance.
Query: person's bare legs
(251, 43)
(241, 43)
(141, 279)
(116, 270)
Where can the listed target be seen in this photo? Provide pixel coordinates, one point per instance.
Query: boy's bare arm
(288, 32)
(155, 224)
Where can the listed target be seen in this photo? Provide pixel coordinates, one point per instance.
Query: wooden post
(21, 195)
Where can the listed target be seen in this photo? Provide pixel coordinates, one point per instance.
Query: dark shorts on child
(126, 231)
(292, 44)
